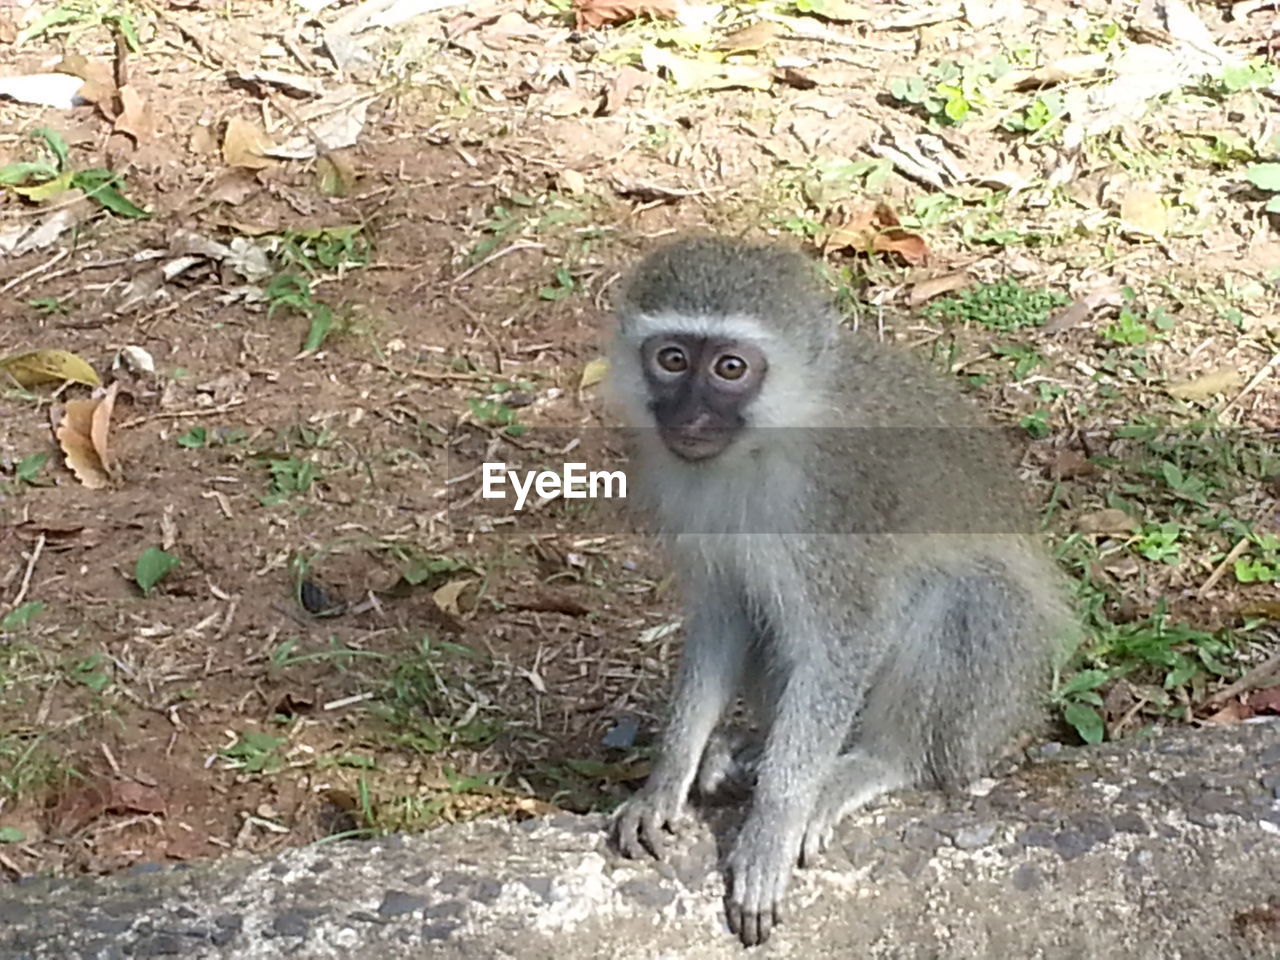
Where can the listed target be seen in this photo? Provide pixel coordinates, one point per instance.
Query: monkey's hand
(759, 871)
(639, 823)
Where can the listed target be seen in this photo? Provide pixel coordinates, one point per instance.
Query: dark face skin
(700, 387)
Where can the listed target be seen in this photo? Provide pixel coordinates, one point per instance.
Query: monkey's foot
(857, 779)
(728, 768)
(820, 829)
(759, 870)
(639, 823)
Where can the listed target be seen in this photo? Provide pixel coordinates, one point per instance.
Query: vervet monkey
(842, 522)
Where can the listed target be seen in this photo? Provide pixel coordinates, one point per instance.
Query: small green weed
(423, 707)
(1005, 305)
(492, 412)
(1045, 109)
(1263, 566)
(76, 16)
(290, 477)
(1252, 75)
(152, 567)
(28, 765)
(28, 469)
(1025, 358)
(45, 179)
(1158, 542)
(198, 437)
(90, 672)
(949, 92)
(20, 617)
(564, 287)
(50, 306)
(256, 752)
(1264, 176)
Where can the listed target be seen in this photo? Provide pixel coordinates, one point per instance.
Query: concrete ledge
(1164, 849)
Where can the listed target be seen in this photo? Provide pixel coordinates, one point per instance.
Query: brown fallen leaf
(592, 14)
(1232, 713)
(83, 435)
(628, 80)
(1207, 385)
(244, 145)
(1110, 520)
(99, 81)
(796, 79)
(135, 119)
(447, 597)
(926, 290)
(87, 799)
(234, 187)
(48, 366)
(1264, 701)
(1082, 309)
(59, 536)
(1069, 464)
(754, 37)
(877, 230)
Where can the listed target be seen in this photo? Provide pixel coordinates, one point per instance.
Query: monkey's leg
(715, 646)
(936, 710)
(810, 723)
(858, 778)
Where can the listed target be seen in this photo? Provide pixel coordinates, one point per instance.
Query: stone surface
(1163, 849)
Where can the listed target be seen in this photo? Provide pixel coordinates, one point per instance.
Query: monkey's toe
(815, 845)
(756, 889)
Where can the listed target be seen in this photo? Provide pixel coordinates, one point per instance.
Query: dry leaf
(245, 145)
(47, 366)
(135, 118)
(447, 597)
(234, 187)
(1144, 212)
(83, 435)
(336, 175)
(628, 80)
(599, 13)
(571, 182)
(876, 230)
(689, 74)
(795, 78)
(1111, 520)
(99, 86)
(1208, 385)
(593, 373)
(926, 290)
(1068, 464)
(754, 37)
(1082, 309)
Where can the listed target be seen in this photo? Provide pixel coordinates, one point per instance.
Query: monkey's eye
(730, 367)
(673, 360)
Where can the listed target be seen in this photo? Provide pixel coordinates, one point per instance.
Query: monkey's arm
(812, 719)
(715, 647)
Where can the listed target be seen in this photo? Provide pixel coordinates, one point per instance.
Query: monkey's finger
(651, 827)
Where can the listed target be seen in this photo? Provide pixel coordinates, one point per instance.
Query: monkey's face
(700, 389)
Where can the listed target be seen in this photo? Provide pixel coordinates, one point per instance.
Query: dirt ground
(331, 655)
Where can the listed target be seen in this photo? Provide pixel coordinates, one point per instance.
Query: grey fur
(887, 655)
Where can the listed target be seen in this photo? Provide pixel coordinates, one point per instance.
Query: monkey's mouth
(697, 443)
